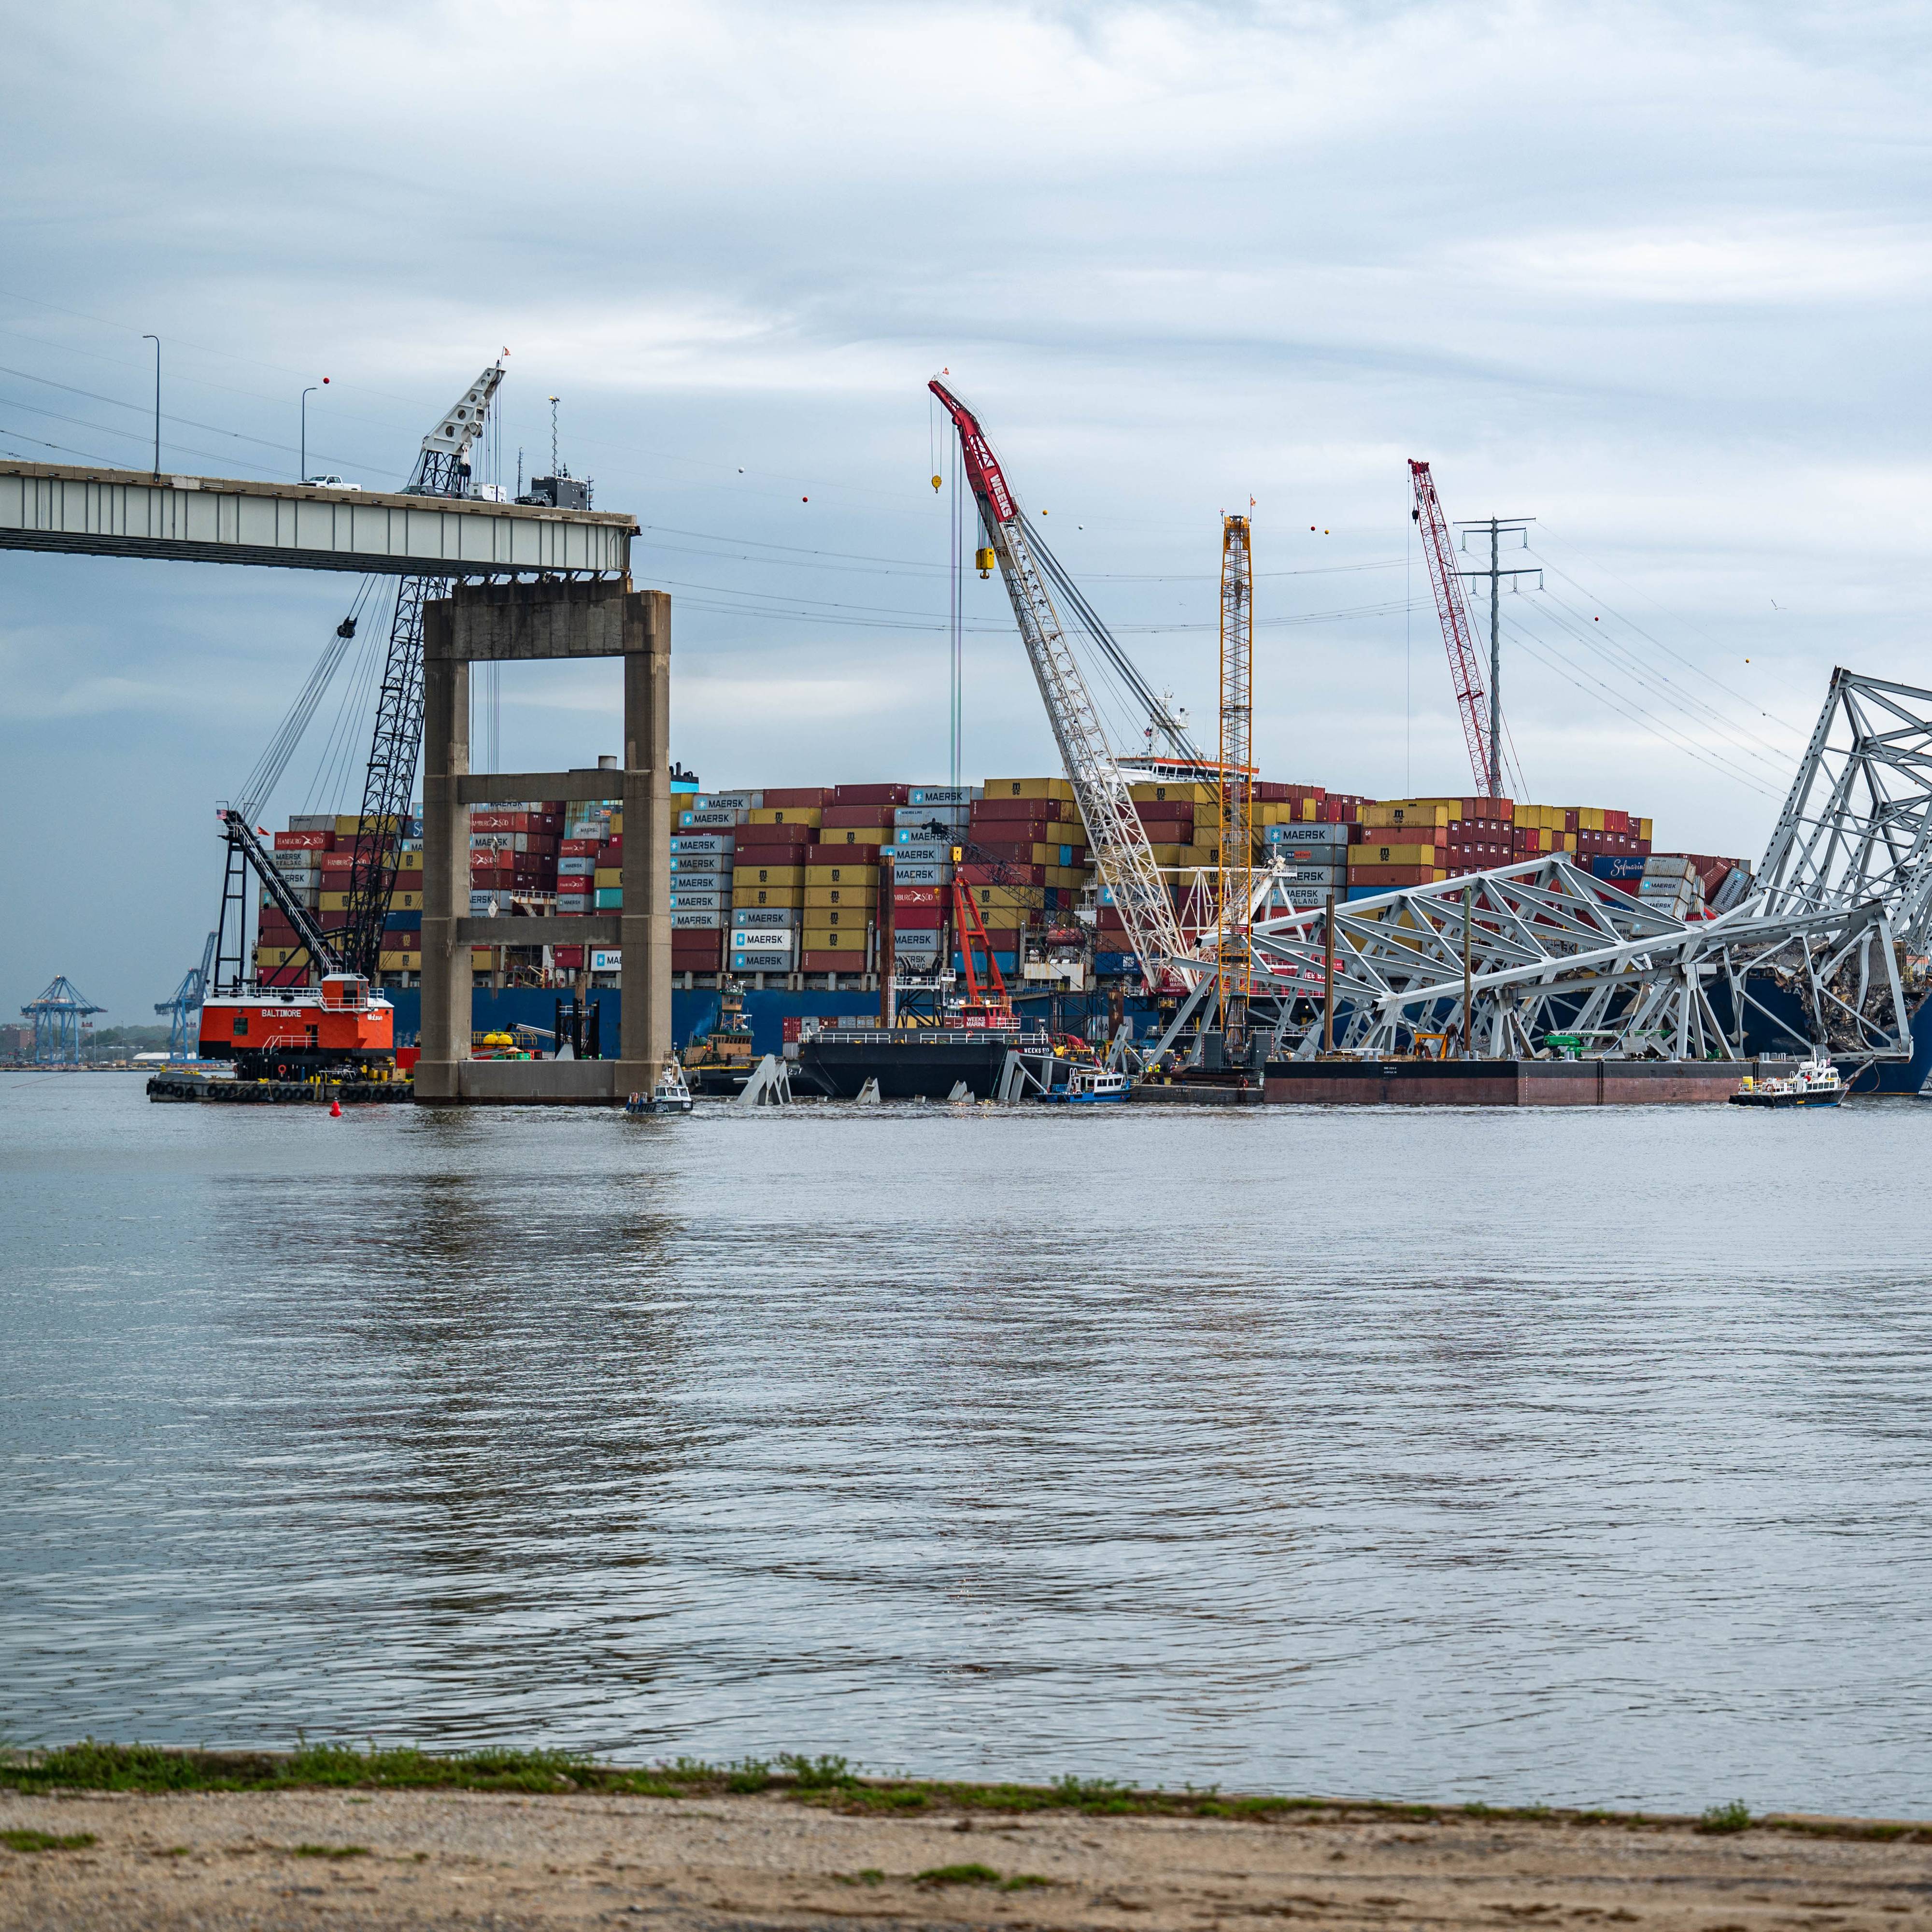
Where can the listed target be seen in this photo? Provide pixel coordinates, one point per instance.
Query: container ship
(799, 905)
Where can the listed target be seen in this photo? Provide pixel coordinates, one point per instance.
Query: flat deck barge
(277, 1092)
(1510, 1083)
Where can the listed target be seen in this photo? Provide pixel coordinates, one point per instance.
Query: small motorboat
(1090, 1087)
(670, 1096)
(1814, 1084)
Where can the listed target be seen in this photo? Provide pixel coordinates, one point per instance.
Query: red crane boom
(1465, 672)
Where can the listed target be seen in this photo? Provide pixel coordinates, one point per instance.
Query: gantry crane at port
(1465, 672)
(1234, 870)
(1122, 854)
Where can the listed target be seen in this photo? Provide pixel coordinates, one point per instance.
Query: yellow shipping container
(1176, 793)
(609, 878)
(1589, 818)
(771, 875)
(1643, 828)
(348, 827)
(409, 862)
(834, 928)
(1007, 899)
(482, 959)
(334, 902)
(617, 825)
(1393, 855)
(1067, 875)
(1173, 855)
(768, 895)
(786, 815)
(1029, 788)
(842, 875)
(399, 962)
(1412, 811)
(281, 956)
(855, 835)
(847, 895)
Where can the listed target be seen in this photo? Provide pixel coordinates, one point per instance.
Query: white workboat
(1814, 1084)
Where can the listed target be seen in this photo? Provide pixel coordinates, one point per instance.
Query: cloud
(1652, 274)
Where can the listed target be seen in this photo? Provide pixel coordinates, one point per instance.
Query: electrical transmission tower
(1499, 527)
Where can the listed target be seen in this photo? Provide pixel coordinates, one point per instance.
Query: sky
(1653, 277)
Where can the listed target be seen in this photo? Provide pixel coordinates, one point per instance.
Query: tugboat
(670, 1096)
(1815, 1083)
(721, 1062)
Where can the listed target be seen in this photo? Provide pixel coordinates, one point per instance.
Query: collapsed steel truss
(1858, 824)
(1822, 955)
(1551, 950)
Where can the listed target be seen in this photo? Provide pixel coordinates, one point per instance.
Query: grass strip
(827, 1780)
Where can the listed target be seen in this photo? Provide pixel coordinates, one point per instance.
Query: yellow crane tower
(1234, 870)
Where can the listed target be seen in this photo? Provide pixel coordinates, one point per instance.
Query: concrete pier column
(645, 977)
(446, 977)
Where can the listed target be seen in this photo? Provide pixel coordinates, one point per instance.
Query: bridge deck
(217, 520)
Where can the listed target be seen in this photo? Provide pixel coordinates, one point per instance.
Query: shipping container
(922, 874)
(766, 918)
(944, 794)
(726, 801)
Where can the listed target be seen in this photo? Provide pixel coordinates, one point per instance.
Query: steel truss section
(1550, 949)
(1857, 825)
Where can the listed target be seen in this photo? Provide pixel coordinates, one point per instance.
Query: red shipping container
(1002, 875)
(790, 1025)
(1164, 811)
(515, 821)
(749, 835)
(988, 808)
(835, 962)
(873, 794)
(872, 816)
(610, 851)
(1394, 875)
(798, 795)
(577, 848)
(918, 918)
(305, 841)
(840, 855)
(568, 958)
(919, 896)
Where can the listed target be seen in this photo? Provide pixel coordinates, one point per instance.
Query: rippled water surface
(1568, 1456)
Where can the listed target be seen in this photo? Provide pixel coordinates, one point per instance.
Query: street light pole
(305, 394)
(157, 341)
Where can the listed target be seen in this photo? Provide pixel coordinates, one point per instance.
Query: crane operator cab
(297, 1033)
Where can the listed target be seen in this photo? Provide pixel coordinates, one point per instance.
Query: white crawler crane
(1122, 854)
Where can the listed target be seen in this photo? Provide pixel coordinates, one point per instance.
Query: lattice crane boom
(1465, 672)
(1122, 854)
(1234, 872)
(443, 469)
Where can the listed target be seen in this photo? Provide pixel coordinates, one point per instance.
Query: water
(1578, 1457)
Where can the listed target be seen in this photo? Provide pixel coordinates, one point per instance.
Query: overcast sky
(1655, 277)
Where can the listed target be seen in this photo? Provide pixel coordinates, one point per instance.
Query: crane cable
(259, 786)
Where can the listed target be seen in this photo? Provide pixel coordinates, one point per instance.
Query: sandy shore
(217, 1860)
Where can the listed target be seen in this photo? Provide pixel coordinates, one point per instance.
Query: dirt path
(218, 1861)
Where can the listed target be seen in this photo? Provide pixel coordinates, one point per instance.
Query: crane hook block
(983, 561)
(346, 628)
(935, 483)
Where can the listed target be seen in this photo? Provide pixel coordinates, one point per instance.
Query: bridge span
(218, 519)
